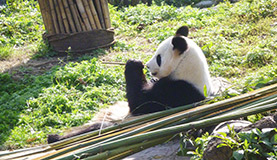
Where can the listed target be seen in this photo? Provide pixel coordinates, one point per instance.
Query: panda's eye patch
(159, 60)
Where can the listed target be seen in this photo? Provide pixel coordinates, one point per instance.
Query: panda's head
(169, 53)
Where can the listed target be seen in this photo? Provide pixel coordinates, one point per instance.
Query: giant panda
(182, 72)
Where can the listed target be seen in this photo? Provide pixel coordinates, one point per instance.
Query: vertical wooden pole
(80, 18)
(106, 13)
(59, 15)
(54, 17)
(100, 13)
(69, 16)
(65, 21)
(83, 14)
(89, 14)
(75, 17)
(47, 19)
(94, 14)
(43, 13)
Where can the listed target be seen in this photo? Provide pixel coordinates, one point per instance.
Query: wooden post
(65, 22)
(45, 12)
(83, 14)
(80, 18)
(89, 14)
(74, 14)
(99, 12)
(94, 14)
(105, 9)
(54, 17)
(59, 15)
(69, 16)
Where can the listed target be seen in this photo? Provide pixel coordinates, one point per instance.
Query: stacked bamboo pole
(71, 16)
(153, 128)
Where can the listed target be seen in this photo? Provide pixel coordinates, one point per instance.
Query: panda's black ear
(183, 31)
(180, 44)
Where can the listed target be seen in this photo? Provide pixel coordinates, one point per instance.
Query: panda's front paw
(134, 64)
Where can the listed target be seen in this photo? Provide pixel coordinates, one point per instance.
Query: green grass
(239, 41)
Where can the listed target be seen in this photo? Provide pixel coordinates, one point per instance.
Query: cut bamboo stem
(106, 14)
(94, 14)
(45, 10)
(89, 14)
(43, 14)
(169, 131)
(59, 15)
(130, 149)
(69, 16)
(81, 21)
(54, 17)
(83, 14)
(74, 15)
(64, 18)
(98, 7)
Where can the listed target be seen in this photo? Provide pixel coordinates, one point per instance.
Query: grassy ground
(239, 41)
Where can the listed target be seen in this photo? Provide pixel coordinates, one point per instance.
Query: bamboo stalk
(169, 131)
(130, 149)
(83, 14)
(59, 15)
(54, 17)
(266, 93)
(193, 111)
(43, 13)
(89, 14)
(94, 14)
(45, 10)
(64, 18)
(69, 16)
(74, 15)
(81, 21)
(49, 18)
(98, 7)
(105, 9)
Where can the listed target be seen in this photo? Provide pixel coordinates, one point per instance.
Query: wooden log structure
(65, 19)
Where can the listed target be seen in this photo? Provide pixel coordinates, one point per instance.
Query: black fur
(165, 93)
(183, 31)
(180, 44)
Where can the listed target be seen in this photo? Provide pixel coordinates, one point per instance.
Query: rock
(205, 4)
(225, 152)
(214, 153)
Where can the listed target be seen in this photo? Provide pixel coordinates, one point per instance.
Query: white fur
(190, 66)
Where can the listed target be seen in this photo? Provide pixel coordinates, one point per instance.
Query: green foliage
(177, 3)
(20, 25)
(254, 145)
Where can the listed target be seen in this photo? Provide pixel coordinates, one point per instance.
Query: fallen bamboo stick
(83, 14)
(168, 131)
(59, 15)
(64, 18)
(98, 7)
(269, 90)
(106, 14)
(54, 17)
(94, 14)
(74, 15)
(69, 16)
